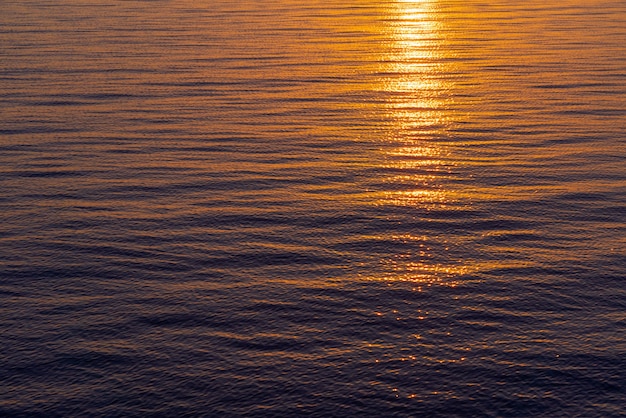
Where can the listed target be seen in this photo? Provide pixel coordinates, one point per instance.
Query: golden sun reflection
(417, 95)
(415, 79)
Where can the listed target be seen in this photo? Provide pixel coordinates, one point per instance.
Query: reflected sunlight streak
(418, 91)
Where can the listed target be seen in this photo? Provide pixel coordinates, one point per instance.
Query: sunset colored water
(330, 208)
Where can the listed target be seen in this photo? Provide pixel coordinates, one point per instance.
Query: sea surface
(283, 208)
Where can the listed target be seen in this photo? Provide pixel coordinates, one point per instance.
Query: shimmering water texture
(313, 208)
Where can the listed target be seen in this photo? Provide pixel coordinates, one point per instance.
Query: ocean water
(289, 208)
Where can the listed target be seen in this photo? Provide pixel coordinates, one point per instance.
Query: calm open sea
(313, 208)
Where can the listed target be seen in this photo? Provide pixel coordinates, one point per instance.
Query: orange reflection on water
(418, 86)
(418, 94)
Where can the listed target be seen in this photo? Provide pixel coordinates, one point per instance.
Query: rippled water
(295, 208)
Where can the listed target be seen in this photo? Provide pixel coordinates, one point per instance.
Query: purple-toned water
(313, 208)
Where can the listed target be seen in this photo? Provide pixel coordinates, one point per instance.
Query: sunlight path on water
(418, 81)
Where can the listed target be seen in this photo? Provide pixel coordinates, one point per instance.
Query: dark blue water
(285, 208)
